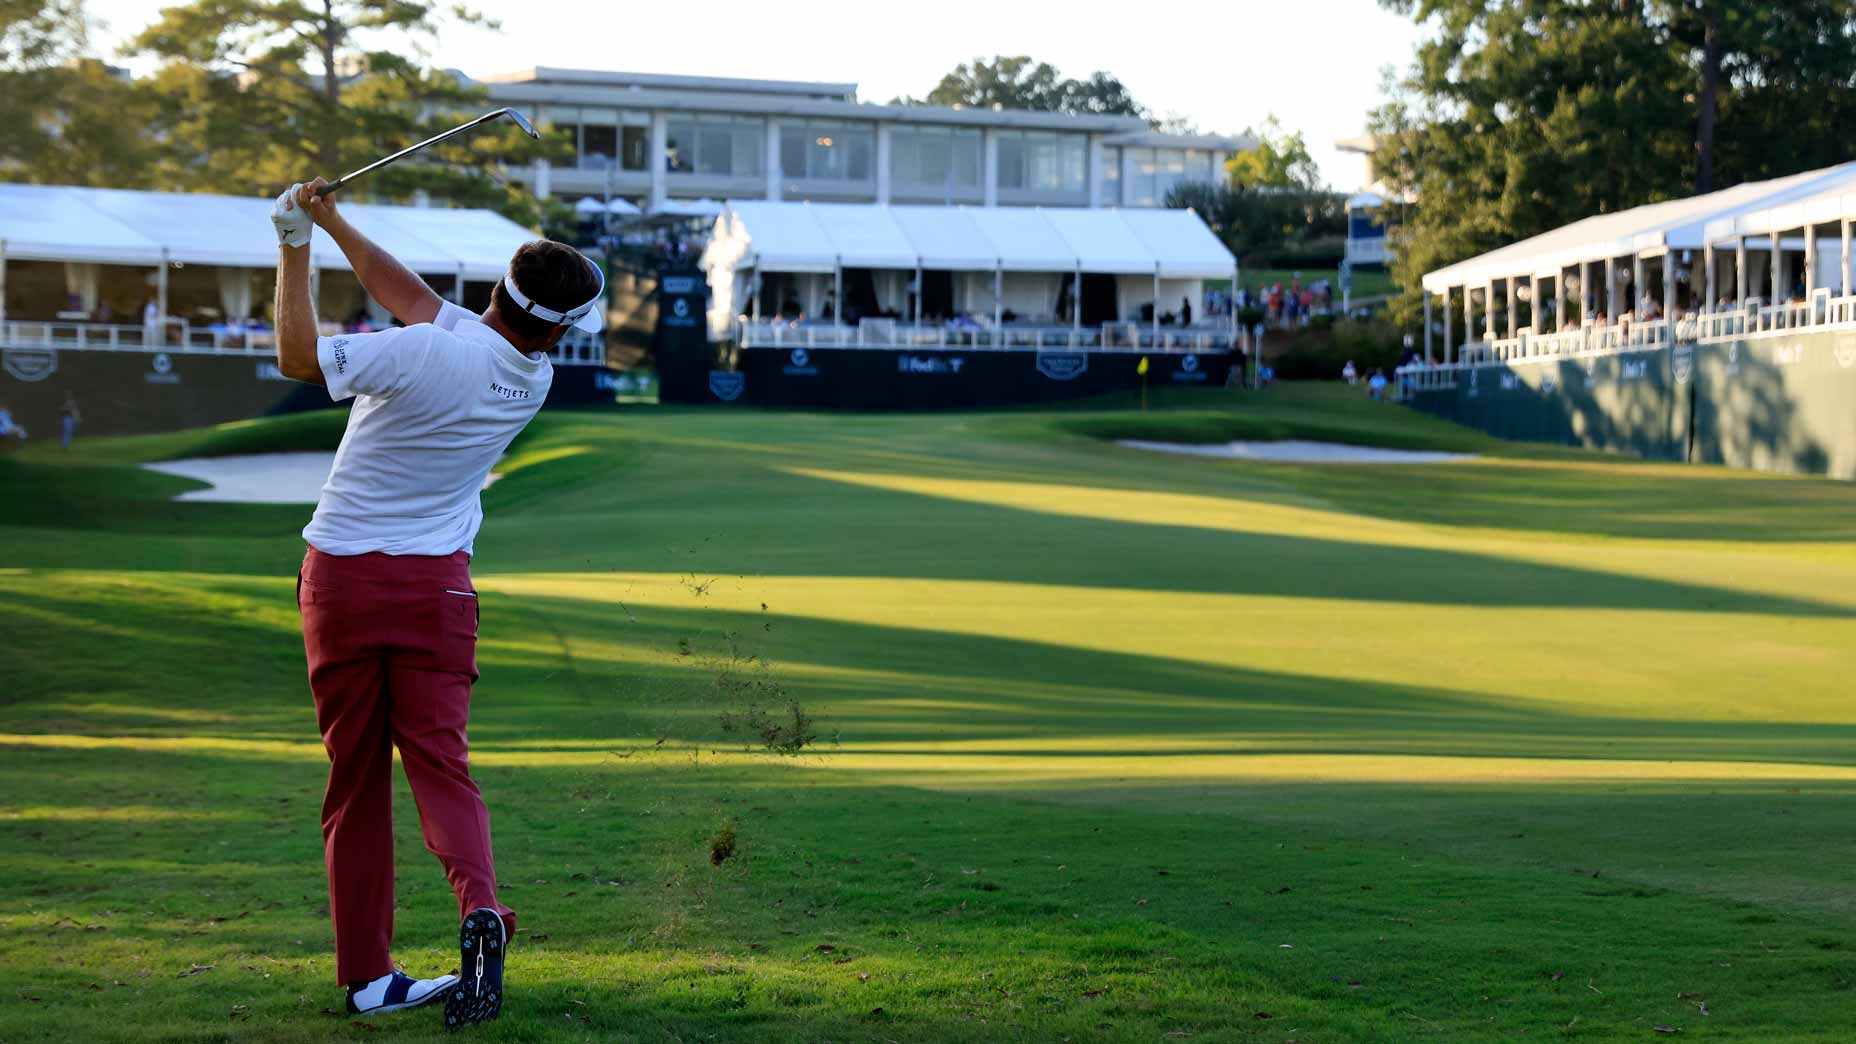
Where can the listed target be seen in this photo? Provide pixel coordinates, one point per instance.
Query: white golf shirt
(436, 404)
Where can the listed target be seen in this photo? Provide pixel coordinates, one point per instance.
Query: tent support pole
(1611, 289)
(1514, 307)
(1710, 276)
(1846, 251)
(1076, 306)
(1739, 271)
(1469, 315)
(998, 304)
(919, 287)
(457, 290)
(1669, 293)
(1847, 268)
(1156, 316)
(1449, 328)
(1777, 266)
(1636, 283)
(754, 301)
(1810, 260)
(1585, 292)
(161, 299)
(1427, 328)
(837, 292)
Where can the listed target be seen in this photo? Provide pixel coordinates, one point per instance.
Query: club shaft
(329, 189)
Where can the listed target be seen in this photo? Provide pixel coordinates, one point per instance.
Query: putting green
(1109, 745)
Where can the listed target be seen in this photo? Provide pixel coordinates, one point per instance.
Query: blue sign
(727, 386)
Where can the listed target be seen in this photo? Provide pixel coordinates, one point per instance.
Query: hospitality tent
(755, 237)
(89, 226)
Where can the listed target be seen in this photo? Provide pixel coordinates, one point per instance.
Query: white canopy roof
(819, 237)
(118, 227)
(1681, 224)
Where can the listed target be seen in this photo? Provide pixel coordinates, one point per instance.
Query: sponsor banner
(727, 385)
(1189, 371)
(1063, 366)
(799, 364)
(1682, 363)
(268, 371)
(161, 370)
(30, 364)
(906, 363)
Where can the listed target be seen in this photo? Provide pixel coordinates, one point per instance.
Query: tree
(260, 93)
(1018, 82)
(1268, 222)
(70, 119)
(1279, 159)
(1519, 117)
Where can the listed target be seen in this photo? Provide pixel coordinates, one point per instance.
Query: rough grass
(1109, 745)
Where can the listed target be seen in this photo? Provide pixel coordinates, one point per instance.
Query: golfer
(389, 611)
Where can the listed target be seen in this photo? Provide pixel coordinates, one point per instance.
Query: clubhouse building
(655, 140)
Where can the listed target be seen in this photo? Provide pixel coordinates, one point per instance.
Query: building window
(599, 145)
(1039, 161)
(634, 148)
(1170, 171)
(1111, 176)
(1139, 190)
(715, 145)
(941, 158)
(1199, 167)
(827, 151)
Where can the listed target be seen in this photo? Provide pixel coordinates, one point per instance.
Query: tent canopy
(819, 237)
(119, 227)
(1681, 224)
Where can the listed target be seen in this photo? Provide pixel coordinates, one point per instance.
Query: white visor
(584, 317)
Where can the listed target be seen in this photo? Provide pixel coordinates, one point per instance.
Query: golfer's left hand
(321, 209)
(291, 219)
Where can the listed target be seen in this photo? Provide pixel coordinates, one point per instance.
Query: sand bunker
(1299, 452)
(259, 478)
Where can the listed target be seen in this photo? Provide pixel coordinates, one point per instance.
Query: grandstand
(1720, 328)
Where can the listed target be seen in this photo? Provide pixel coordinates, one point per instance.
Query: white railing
(179, 337)
(894, 335)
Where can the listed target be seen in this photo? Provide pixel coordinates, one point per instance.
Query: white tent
(1682, 224)
(117, 227)
(822, 237)
(623, 207)
(588, 205)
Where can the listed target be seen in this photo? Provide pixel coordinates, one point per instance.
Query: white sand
(1299, 452)
(259, 478)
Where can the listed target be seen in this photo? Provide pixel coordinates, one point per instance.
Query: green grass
(1114, 746)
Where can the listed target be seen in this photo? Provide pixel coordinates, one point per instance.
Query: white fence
(1756, 320)
(178, 337)
(895, 335)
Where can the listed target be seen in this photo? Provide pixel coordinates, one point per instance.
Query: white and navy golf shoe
(478, 996)
(396, 991)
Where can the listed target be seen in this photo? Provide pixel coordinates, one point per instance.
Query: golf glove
(292, 221)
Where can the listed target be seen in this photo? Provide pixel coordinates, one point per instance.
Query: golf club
(520, 121)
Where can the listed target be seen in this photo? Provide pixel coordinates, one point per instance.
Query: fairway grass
(1109, 745)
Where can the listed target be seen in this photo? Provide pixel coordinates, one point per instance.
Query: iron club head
(522, 122)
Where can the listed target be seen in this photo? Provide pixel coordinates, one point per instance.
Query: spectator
(1185, 311)
(1348, 373)
(1376, 386)
(8, 429)
(68, 420)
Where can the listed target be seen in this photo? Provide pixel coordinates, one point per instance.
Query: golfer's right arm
(394, 285)
(296, 317)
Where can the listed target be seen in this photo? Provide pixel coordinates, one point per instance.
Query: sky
(1316, 65)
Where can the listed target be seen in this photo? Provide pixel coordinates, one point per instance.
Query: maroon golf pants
(392, 648)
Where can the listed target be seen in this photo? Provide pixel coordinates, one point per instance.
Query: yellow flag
(1142, 368)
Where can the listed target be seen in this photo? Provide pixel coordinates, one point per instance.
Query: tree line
(1518, 117)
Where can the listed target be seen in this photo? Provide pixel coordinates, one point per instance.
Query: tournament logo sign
(800, 364)
(1474, 390)
(1063, 366)
(1189, 370)
(727, 386)
(30, 364)
(1682, 363)
(162, 368)
(1845, 350)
